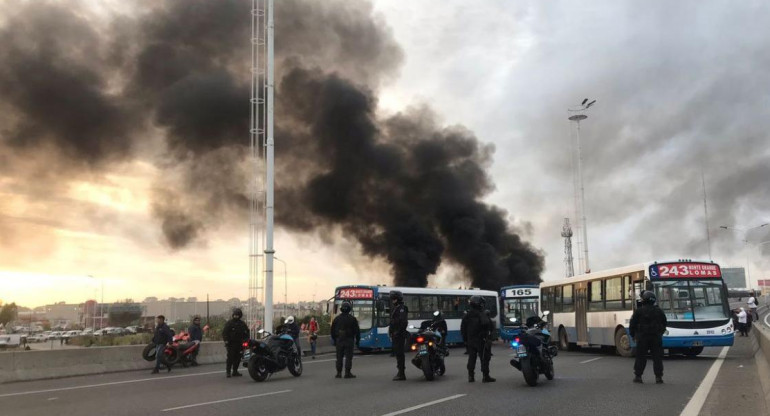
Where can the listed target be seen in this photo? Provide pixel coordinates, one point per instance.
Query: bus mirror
(546, 313)
(380, 305)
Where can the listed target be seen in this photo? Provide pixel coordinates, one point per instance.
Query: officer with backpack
(648, 324)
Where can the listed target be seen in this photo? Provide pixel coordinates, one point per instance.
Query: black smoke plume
(405, 188)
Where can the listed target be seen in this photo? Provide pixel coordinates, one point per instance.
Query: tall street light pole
(285, 286)
(580, 200)
(101, 306)
(745, 232)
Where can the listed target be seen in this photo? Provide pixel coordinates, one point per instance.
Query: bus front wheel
(623, 343)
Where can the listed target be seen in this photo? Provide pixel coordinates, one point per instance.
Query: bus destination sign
(685, 271)
(355, 293)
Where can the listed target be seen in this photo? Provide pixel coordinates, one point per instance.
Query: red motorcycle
(181, 350)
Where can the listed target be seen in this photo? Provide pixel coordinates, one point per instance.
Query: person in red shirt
(312, 335)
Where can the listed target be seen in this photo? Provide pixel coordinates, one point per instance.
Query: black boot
(236, 374)
(471, 378)
(339, 374)
(348, 374)
(638, 379)
(400, 376)
(488, 379)
(658, 380)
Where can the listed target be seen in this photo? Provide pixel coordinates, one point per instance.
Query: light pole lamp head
(578, 117)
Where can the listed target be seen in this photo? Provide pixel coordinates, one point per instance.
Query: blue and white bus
(595, 309)
(371, 306)
(520, 302)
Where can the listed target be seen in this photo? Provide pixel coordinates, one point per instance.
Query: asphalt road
(588, 382)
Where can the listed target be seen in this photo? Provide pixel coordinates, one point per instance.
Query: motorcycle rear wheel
(529, 372)
(427, 369)
(257, 368)
(295, 365)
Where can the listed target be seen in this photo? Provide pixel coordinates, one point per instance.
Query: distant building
(734, 277)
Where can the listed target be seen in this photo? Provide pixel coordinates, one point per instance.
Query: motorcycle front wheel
(427, 369)
(295, 365)
(529, 372)
(441, 368)
(257, 368)
(549, 372)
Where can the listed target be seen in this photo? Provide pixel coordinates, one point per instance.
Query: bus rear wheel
(564, 343)
(623, 343)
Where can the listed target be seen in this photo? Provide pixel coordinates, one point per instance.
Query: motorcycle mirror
(437, 313)
(412, 327)
(261, 331)
(546, 313)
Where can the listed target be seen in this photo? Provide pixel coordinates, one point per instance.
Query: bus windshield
(691, 300)
(521, 309)
(363, 310)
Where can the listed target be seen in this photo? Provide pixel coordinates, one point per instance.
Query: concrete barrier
(762, 357)
(44, 364)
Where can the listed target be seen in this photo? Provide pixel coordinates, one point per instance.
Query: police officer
(397, 331)
(291, 328)
(344, 333)
(648, 323)
(476, 329)
(234, 334)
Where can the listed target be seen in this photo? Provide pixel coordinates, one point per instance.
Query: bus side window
(567, 303)
(557, 300)
(384, 315)
(490, 304)
(412, 303)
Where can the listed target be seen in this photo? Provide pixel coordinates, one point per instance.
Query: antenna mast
(566, 232)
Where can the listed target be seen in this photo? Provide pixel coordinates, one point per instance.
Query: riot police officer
(648, 324)
(234, 333)
(476, 329)
(344, 333)
(397, 331)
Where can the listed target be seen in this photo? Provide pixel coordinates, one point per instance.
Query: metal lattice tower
(566, 232)
(257, 133)
(578, 115)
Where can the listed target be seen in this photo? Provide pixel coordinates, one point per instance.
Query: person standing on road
(196, 335)
(399, 320)
(162, 337)
(742, 319)
(292, 329)
(476, 329)
(753, 303)
(312, 336)
(235, 333)
(648, 324)
(345, 333)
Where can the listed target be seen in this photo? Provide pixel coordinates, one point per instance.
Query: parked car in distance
(37, 338)
(10, 341)
(70, 334)
(55, 335)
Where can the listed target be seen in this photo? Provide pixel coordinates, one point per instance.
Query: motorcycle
(533, 352)
(270, 355)
(181, 350)
(430, 352)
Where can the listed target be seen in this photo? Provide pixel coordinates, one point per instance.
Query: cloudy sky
(121, 139)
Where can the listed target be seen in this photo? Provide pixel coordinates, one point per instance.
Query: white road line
(766, 322)
(22, 393)
(592, 359)
(225, 400)
(696, 401)
(409, 409)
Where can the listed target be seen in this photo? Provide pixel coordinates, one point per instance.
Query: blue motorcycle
(270, 355)
(533, 352)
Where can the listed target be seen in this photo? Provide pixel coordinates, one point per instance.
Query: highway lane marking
(225, 400)
(420, 406)
(699, 398)
(766, 322)
(23, 393)
(592, 359)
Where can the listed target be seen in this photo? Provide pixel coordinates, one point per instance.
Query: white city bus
(371, 306)
(595, 309)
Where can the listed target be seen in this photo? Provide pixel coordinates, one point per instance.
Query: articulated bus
(520, 302)
(371, 306)
(595, 309)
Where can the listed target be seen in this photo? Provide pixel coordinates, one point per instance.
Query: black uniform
(345, 334)
(476, 329)
(648, 323)
(439, 325)
(293, 330)
(398, 334)
(235, 333)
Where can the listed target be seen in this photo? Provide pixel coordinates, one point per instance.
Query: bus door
(581, 307)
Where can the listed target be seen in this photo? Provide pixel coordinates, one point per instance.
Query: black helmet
(346, 308)
(649, 297)
(396, 296)
(476, 302)
(238, 312)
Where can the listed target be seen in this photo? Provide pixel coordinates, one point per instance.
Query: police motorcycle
(533, 352)
(430, 351)
(271, 354)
